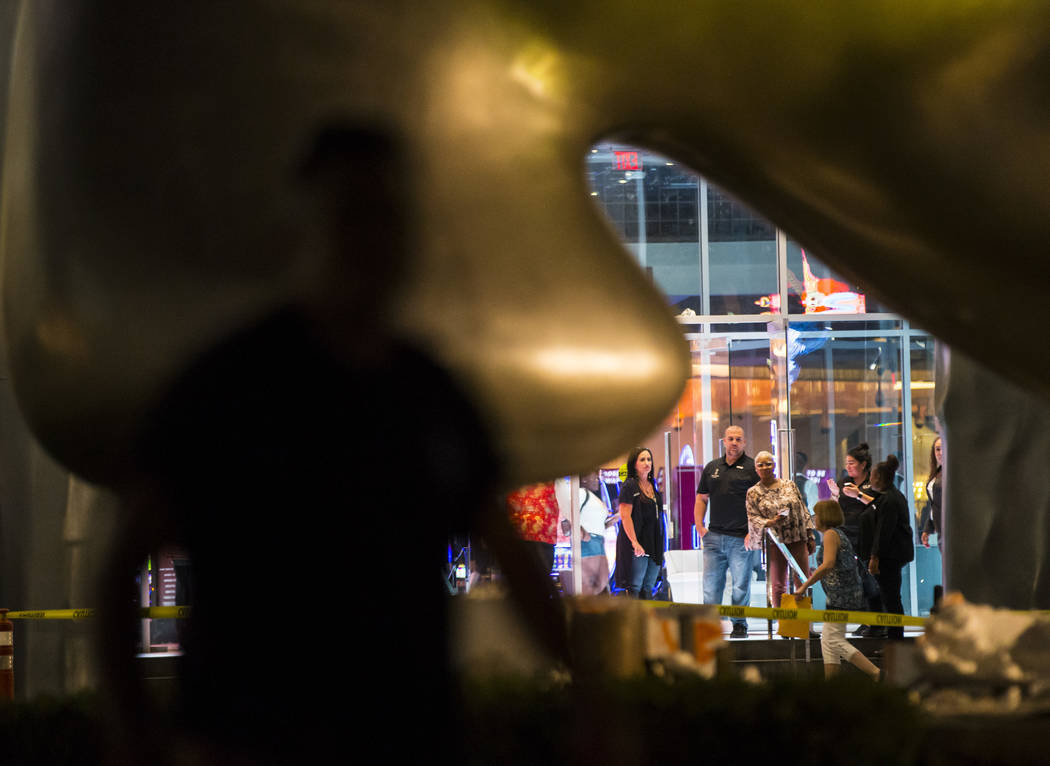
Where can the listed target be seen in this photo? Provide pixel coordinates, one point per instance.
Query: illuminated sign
(628, 161)
(819, 296)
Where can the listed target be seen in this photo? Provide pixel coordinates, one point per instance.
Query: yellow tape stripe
(152, 612)
(807, 615)
(821, 615)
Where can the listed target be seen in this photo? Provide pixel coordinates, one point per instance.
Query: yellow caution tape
(822, 615)
(808, 615)
(150, 612)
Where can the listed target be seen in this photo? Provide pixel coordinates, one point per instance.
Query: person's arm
(756, 522)
(808, 524)
(833, 488)
(933, 515)
(831, 554)
(699, 512)
(927, 523)
(628, 528)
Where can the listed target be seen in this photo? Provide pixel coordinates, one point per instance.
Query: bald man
(723, 486)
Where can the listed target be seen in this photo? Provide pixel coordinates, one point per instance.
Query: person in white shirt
(594, 519)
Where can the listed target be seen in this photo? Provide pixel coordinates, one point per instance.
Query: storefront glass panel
(925, 431)
(743, 257)
(653, 204)
(844, 391)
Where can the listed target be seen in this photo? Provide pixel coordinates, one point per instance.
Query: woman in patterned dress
(776, 504)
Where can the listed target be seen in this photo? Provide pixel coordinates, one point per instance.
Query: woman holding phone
(854, 494)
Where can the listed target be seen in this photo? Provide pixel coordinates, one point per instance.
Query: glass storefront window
(742, 258)
(681, 229)
(165, 579)
(653, 204)
(844, 391)
(925, 431)
(707, 251)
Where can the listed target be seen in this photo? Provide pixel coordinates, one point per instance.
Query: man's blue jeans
(722, 552)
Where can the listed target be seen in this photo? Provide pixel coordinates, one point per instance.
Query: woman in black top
(891, 544)
(640, 544)
(854, 493)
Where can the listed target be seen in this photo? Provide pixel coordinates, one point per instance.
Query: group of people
(865, 529)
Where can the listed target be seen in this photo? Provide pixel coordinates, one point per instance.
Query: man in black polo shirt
(724, 485)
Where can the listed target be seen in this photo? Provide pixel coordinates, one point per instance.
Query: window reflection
(814, 288)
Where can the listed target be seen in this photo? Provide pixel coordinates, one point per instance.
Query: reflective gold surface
(149, 206)
(152, 208)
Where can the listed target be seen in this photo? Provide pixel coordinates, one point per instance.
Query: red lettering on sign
(627, 161)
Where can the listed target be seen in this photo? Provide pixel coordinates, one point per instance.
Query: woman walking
(837, 571)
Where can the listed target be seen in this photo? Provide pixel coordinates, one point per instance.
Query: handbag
(868, 583)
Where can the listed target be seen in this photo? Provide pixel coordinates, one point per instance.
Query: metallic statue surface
(906, 146)
(151, 207)
(997, 525)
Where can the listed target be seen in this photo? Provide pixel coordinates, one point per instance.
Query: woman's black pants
(889, 579)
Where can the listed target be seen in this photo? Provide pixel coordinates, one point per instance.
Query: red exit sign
(628, 161)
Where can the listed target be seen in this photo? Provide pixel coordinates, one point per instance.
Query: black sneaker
(879, 631)
(739, 631)
(862, 631)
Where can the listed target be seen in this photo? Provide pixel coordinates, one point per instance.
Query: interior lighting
(915, 385)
